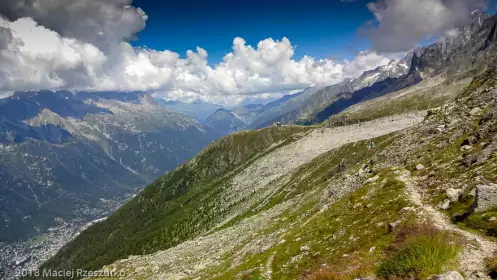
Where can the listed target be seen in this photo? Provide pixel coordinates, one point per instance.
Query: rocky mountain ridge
(290, 109)
(461, 49)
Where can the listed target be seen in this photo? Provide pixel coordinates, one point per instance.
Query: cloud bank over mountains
(84, 45)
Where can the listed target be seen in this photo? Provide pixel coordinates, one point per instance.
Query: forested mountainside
(63, 154)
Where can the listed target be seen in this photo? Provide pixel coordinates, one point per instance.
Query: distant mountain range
(316, 104)
(197, 109)
(299, 107)
(223, 122)
(60, 153)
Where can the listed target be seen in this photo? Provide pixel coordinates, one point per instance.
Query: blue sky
(321, 29)
(492, 6)
(318, 28)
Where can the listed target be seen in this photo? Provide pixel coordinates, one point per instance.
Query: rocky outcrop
(486, 197)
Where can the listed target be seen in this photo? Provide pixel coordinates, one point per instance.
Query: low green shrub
(419, 254)
(486, 221)
(492, 267)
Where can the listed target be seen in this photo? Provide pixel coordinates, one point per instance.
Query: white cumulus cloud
(45, 52)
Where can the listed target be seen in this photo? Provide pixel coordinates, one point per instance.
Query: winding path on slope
(472, 258)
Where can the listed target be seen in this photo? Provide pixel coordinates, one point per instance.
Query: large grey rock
(486, 197)
(451, 275)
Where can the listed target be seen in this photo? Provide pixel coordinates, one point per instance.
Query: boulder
(466, 148)
(486, 197)
(445, 205)
(432, 112)
(442, 128)
(469, 160)
(420, 167)
(457, 134)
(304, 248)
(453, 194)
(393, 225)
(451, 275)
(327, 193)
(486, 152)
(475, 112)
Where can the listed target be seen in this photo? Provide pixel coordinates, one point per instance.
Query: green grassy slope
(174, 208)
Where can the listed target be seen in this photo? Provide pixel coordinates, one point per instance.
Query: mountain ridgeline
(197, 109)
(223, 122)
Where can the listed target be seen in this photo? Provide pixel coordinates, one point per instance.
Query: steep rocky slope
(292, 203)
(61, 154)
(429, 93)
